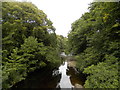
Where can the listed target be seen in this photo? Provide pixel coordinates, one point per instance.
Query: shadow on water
(63, 77)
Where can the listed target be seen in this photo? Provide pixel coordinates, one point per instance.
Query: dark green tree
(94, 39)
(29, 41)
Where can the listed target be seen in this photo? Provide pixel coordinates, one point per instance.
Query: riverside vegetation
(30, 42)
(95, 42)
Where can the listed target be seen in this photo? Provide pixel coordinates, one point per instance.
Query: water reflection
(39, 79)
(63, 77)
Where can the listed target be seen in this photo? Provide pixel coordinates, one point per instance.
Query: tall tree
(29, 41)
(94, 38)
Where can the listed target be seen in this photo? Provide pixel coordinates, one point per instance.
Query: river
(63, 77)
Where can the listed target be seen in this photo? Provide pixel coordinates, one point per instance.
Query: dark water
(63, 77)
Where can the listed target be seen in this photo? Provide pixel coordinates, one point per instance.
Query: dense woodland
(95, 41)
(30, 42)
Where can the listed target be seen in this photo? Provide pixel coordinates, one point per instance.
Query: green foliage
(94, 39)
(12, 69)
(29, 41)
(52, 56)
(62, 43)
(33, 52)
(102, 75)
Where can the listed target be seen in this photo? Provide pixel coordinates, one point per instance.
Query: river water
(63, 77)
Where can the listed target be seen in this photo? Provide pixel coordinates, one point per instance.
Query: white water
(63, 54)
(65, 79)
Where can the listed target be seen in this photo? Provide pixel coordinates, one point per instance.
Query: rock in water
(78, 86)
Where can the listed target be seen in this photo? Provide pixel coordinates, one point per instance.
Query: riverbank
(71, 64)
(63, 77)
(71, 61)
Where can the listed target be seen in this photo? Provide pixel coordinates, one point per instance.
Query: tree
(29, 41)
(94, 40)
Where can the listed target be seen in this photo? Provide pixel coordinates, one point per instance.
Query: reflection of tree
(54, 81)
(40, 79)
(50, 80)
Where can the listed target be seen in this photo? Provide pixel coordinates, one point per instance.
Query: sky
(62, 12)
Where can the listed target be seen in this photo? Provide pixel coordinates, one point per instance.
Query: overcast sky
(63, 12)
